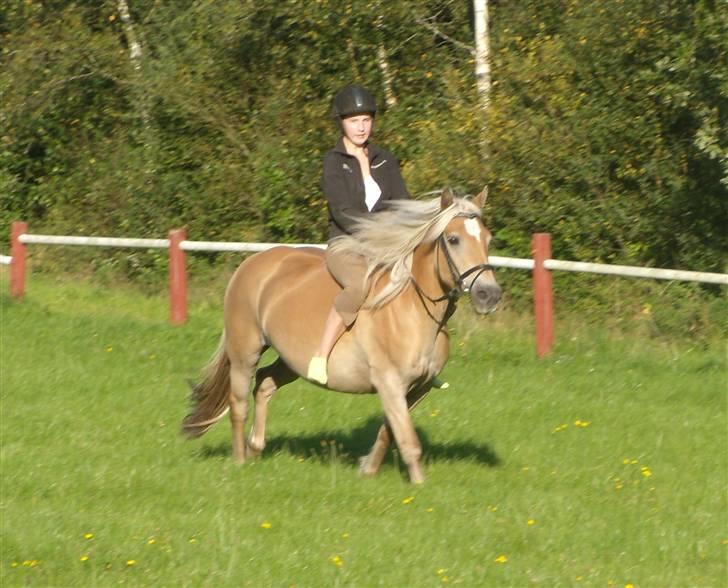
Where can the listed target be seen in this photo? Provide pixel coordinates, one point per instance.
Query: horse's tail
(210, 396)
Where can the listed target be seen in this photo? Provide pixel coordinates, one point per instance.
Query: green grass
(93, 391)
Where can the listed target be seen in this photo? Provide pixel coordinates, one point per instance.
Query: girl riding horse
(358, 179)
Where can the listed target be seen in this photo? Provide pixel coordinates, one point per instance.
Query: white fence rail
(94, 241)
(635, 272)
(236, 246)
(177, 244)
(243, 247)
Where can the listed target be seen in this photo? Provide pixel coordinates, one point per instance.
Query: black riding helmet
(353, 100)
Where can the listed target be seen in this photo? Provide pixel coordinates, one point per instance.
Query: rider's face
(357, 128)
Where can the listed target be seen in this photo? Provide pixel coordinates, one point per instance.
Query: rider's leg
(349, 271)
(333, 329)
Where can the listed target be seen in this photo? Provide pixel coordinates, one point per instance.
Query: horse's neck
(425, 271)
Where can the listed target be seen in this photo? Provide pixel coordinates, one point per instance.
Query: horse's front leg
(393, 395)
(369, 465)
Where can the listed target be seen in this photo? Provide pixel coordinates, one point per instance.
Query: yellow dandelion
(345, 535)
(629, 586)
(88, 536)
(492, 508)
(15, 564)
(84, 558)
(501, 559)
(561, 428)
(266, 525)
(130, 562)
(531, 522)
(109, 349)
(336, 560)
(430, 509)
(646, 472)
(151, 541)
(408, 500)
(441, 571)
(192, 540)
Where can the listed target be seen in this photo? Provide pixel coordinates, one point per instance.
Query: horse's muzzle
(485, 297)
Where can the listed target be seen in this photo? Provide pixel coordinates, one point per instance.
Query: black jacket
(343, 185)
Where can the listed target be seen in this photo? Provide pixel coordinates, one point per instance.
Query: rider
(358, 178)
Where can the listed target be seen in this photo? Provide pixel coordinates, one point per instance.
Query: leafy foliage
(606, 128)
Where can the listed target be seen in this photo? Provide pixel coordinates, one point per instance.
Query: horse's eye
(453, 239)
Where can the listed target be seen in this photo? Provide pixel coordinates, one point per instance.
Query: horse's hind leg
(244, 352)
(267, 380)
(369, 464)
(240, 373)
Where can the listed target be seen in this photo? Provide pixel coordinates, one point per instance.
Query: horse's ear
(447, 198)
(481, 198)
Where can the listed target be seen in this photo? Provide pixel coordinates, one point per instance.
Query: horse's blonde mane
(387, 239)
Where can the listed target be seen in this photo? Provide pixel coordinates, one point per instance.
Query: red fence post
(543, 298)
(18, 253)
(177, 277)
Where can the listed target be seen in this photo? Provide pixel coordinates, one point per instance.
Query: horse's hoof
(365, 470)
(416, 476)
(253, 453)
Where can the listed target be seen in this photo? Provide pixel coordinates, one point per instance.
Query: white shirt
(372, 192)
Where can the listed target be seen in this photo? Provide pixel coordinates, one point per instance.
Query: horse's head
(463, 254)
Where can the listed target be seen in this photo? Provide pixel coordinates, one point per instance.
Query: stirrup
(317, 371)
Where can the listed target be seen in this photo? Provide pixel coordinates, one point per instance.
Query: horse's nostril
(488, 292)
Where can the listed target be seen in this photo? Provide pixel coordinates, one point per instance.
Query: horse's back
(261, 276)
(281, 290)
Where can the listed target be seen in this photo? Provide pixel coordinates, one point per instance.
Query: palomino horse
(422, 256)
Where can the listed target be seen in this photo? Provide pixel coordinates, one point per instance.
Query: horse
(422, 255)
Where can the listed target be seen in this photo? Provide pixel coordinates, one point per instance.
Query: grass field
(604, 465)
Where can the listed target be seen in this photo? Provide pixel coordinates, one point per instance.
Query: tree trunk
(389, 97)
(135, 56)
(135, 48)
(383, 62)
(482, 67)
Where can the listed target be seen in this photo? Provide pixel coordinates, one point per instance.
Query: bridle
(458, 278)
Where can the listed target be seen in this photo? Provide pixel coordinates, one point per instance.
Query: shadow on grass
(348, 447)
